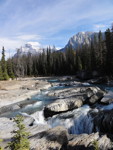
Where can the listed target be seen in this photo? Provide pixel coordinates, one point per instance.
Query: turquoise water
(42, 99)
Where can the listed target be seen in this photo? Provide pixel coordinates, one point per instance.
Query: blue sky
(50, 22)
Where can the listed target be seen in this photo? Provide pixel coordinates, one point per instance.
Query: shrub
(0, 146)
(95, 145)
(20, 140)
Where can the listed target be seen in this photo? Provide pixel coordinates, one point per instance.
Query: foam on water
(24, 114)
(37, 104)
(39, 117)
(85, 83)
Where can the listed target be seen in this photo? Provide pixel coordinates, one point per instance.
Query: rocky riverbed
(73, 115)
(19, 90)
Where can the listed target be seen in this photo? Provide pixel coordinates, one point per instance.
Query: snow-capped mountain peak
(29, 48)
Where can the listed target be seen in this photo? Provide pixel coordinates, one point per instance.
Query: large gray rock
(62, 105)
(86, 142)
(108, 98)
(73, 98)
(103, 121)
(58, 139)
(96, 97)
(75, 91)
(53, 139)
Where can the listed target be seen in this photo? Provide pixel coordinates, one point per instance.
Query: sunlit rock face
(81, 39)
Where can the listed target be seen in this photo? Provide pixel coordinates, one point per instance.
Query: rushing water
(77, 121)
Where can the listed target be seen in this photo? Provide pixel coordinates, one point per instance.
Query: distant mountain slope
(28, 49)
(80, 39)
(33, 48)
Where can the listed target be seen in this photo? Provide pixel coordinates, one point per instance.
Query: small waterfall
(83, 124)
(38, 117)
(77, 121)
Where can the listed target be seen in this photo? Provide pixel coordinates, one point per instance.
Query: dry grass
(16, 84)
(2, 87)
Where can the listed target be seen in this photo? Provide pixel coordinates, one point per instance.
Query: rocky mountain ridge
(76, 41)
(33, 48)
(80, 39)
(28, 48)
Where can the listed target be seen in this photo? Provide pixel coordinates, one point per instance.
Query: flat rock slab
(52, 139)
(62, 105)
(86, 142)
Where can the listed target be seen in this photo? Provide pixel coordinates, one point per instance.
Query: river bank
(19, 90)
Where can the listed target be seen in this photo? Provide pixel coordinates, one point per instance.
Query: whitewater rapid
(77, 121)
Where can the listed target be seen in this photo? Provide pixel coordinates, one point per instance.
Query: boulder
(52, 139)
(62, 105)
(96, 97)
(108, 98)
(74, 91)
(73, 98)
(103, 121)
(89, 141)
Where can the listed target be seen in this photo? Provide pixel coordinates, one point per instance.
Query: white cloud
(11, 44)
(101, 27)
(29, 37)
(51, 19)
(14, 42)
(35, 45)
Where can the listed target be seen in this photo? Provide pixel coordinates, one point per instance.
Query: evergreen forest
(97, 56)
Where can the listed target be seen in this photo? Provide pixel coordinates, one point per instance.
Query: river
(77, 121)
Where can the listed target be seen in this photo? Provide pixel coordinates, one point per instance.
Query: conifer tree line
(6, 68)
(96, 56)
(48, 63)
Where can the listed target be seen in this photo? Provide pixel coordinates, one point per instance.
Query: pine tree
(3, 66)
(10, 69)
(49, 61)
(78, 63)
(93, 57)
(20, 140)
(109, 54)
(100, 51)
(1, 74)
(29, 64)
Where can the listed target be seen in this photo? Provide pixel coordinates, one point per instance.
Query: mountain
(29, 48)
(80, 39)
(33, 48)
